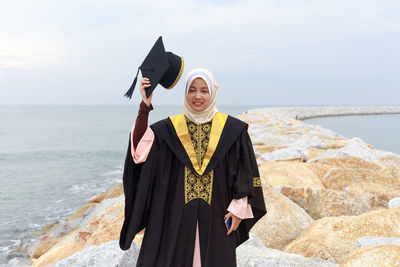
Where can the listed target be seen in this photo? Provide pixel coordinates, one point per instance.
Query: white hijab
(207, 114)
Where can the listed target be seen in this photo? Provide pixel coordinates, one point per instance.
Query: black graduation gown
(155, 195)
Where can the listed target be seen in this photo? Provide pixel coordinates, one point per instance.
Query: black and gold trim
(181, 129)
(179, 74)
(257, 182)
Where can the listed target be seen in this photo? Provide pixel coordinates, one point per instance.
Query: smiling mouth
(197, 104)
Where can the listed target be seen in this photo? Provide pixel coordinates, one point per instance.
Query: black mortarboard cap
(160, 67)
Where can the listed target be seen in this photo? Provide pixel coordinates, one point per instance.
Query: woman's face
(198, 95)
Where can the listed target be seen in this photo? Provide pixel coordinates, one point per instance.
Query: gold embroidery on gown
(199, 186)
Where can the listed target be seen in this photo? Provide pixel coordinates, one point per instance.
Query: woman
(184, 176)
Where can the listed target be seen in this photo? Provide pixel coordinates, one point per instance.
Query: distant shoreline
(310, 112)
(344, 115)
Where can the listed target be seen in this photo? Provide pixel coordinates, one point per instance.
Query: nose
(197, 95)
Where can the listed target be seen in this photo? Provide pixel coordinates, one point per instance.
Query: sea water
(380, 131)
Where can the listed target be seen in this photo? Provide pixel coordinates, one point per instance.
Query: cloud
(229, 32)
(29, 51)
(90, 48)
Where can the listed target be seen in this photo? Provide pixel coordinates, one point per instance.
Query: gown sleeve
(240, 208)
(142, 136)
(143, 147)
(246, 182)
(137, 183)
(141, 123)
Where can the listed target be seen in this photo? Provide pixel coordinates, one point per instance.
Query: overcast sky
(283, 52)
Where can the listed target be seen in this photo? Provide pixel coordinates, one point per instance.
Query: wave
(24, 226)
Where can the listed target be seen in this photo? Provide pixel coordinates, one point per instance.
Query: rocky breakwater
(331, 201)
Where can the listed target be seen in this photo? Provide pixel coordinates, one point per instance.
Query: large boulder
(319, 169)
(348, 163)
(320, 202)
(363, 181)
(263, 135)
(102, 225)
(332, 238)
(386, 255)
(390, 160)
(104, 255)
(253, 253)
(291, 153)
(334, 143)
(283, 222)
(377, 241)
(289, 173)
(356, 148)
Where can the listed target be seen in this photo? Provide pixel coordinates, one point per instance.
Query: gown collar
(180, 126)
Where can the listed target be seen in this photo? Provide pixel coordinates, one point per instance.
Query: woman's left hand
(235, 222)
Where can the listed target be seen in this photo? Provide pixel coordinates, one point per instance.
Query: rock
(44, 246)
(299, 195)
(283, 222)
(253, 118)
(27, 246)
(58, 252)
(319, 169)
(335, 143)
(82, 212)
(18, 262)
(362, 182)
(262, 134)
(307, 140)
(348, 163)
(313, 152)
(101, 208)
(99, 198)
(332, 238)
(340, 178)
(391, 171)
(88, 208)
(46, 230)
(112, 192)
(323, 133)
(284, 154)
(320, 202)
(294, 174)
(104, 226)
(387, 255)
(65, 227)
(104, 255)
(394, 203)
(253, 253)
(72, 222)
(390, 160)
(267, 149)
(356, 148)
(377, 241)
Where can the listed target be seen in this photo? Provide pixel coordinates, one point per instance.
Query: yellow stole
(218, 123)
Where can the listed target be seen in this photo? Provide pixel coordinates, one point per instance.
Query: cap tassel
(129, 93)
